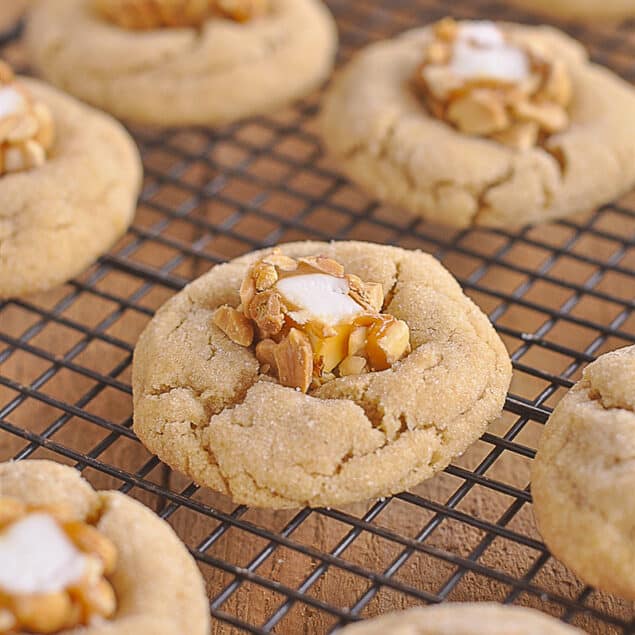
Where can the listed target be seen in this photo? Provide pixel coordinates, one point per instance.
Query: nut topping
(487, 80)
(156, 14)
(64, 585)
(235, 325)
(312, 321)
(294, 360)
(27, 129)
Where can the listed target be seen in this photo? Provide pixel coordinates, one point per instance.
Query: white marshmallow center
(481, 52)
(319, 297)
(11, 101)
(36, 556)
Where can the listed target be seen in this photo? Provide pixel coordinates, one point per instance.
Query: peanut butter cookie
(317, 374)
(69, 179)
(177, 62)
(481, 123)
(464, 619)
(73, 558)
(583, 477)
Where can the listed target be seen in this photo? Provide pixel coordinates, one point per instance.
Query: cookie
(109, 545)
(510, 169)
(582, 9)
(219, 72)
(206, 405)
(583, 477)
(60, 213)
(463, 619)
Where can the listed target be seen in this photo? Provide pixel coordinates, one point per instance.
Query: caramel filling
(485, 80)
(312, 322)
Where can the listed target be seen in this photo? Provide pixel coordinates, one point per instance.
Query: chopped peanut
(517, 108)
(235, 325)
(27, 130)
(294, 360)
(352, 366)
(312, 322)
(79, 603)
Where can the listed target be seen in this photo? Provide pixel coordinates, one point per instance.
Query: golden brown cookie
(463, 619)
(202, 404)
(583, 477)
(159, 595)
(59, 217)
(376, 124)
(210, 75)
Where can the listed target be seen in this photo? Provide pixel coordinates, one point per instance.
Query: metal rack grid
(558, 294)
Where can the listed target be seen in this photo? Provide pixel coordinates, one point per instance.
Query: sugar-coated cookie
(583, 477)
(104, 561)
(218, 72)
(463, 619)
(549, 133)
(65, 203)
(210, 406)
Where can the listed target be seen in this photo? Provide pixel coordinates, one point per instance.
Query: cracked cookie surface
(583, 477)
(221, 72)
(55, 220)
(464, 619)
(163, 595)
(375, 124)
(203, 406)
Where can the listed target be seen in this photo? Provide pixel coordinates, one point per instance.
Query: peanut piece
(294, 360)
(352, 366)
(242, 10)
(395, 342)
(235, 325)
(440, 81)
(558, 87)
(479, 113)
(521, 136)
(264, 353)
(7, 621)
(437, 53)
(369, 295)
(357, 340)
(266, 311)
(91, 541)
(324, 265)
(550, 117)
(265, 276)
(278, 260)
(25, 128)
(446, 29)
(247, 291)
(42, 613)
(97, 598)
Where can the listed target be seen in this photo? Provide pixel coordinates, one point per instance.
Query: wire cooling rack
(559, 295)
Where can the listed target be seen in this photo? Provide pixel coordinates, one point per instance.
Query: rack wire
(559, 295)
